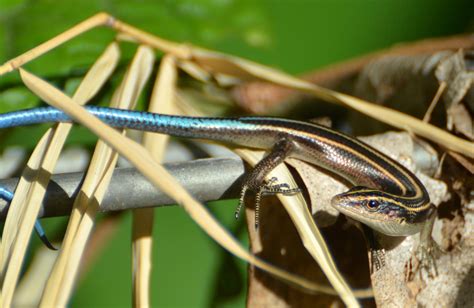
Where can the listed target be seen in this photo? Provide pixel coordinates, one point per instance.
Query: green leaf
(17, 98)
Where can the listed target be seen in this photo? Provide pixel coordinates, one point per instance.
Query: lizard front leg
(255, 179)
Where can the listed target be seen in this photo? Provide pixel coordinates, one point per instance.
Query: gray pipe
(205, 179)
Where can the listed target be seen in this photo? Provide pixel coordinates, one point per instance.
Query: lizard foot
(423, 260)
(270, 187)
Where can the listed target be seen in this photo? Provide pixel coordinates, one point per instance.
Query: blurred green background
(190, 270)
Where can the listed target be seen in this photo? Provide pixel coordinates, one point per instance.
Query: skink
(386, 196)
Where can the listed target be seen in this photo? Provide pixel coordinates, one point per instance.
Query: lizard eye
(372, 204)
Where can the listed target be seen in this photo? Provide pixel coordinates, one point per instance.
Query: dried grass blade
(222, 63)
(28, 293)
(409, 123)
(100, 19)
(194, 70)
(84, 26)
(40, 167)
(181, 51)
(161, 101)
(60, 284)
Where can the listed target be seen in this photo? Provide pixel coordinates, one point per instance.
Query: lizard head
(381, 211)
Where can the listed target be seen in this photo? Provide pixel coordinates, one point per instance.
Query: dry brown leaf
(466, 163)
(461, 120)
(459, 80)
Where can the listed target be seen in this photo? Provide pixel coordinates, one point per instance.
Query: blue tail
(7, 195)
